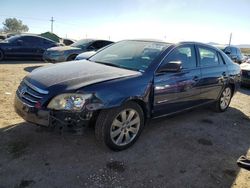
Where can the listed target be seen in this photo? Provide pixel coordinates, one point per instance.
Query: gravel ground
(193, 149)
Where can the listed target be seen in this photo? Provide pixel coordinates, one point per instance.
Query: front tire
(224, 101)
(119, 128)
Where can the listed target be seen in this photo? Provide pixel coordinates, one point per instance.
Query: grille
(30, 94)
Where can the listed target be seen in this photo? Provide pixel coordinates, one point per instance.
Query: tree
(14, 26)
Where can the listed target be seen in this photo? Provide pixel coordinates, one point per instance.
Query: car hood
(63, 48)
(75, 74)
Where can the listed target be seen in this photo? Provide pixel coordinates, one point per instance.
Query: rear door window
(208, 57)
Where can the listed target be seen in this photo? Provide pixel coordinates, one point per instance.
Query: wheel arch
(232, 85)
(142, 104)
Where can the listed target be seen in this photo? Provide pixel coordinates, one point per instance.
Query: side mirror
(172, 66)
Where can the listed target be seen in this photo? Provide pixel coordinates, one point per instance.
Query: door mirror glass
(172, 66)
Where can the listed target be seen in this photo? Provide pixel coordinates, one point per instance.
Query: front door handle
(224, 74)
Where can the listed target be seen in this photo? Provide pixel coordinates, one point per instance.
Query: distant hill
(243, 45)
(239, 45)
(213, 43)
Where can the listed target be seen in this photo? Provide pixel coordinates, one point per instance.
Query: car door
(32, 47)
(15, 47)
(27, 47)
(43, 46)
(175, 91)
(213, 73)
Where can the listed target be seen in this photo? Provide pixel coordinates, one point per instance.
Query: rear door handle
(224, 74)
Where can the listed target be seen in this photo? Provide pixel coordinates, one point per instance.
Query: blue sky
(170, 20)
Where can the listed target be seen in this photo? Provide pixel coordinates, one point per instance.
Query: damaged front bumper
(52, 118)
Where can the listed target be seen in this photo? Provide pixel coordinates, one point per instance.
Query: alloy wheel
(125, 127)
(225, 98)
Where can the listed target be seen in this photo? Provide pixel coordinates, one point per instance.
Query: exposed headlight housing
(68, 101)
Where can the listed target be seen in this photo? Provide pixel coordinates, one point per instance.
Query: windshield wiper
(119, 66)
(109, 64)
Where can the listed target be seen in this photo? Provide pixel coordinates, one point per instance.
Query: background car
(69, 53)
(85, 55)
(234, 53)
(245, 74)
(68, 42)
(24, 46)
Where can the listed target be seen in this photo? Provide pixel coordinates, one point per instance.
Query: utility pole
(52, 23)
(230, 38)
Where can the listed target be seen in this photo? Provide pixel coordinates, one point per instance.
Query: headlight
(69, 101)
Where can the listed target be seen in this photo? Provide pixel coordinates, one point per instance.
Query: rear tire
(1, 55)
(224, 101)
(119, 128)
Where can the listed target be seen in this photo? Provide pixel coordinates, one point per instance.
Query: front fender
(115, 93)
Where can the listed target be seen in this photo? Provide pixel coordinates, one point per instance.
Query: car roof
(30, 35)
(199, 43)
(92, 40)
(149, 40)
(176, 44)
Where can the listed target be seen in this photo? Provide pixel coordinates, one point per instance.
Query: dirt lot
(194, 149)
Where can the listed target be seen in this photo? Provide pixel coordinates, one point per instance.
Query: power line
(24, 17)
(72, 24)
(52, 24)
(230, 39)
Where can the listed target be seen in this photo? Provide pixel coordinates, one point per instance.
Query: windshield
(81, 43)
(133, 55)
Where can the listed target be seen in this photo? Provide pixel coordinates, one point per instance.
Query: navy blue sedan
(122, 86)
(25, 46)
